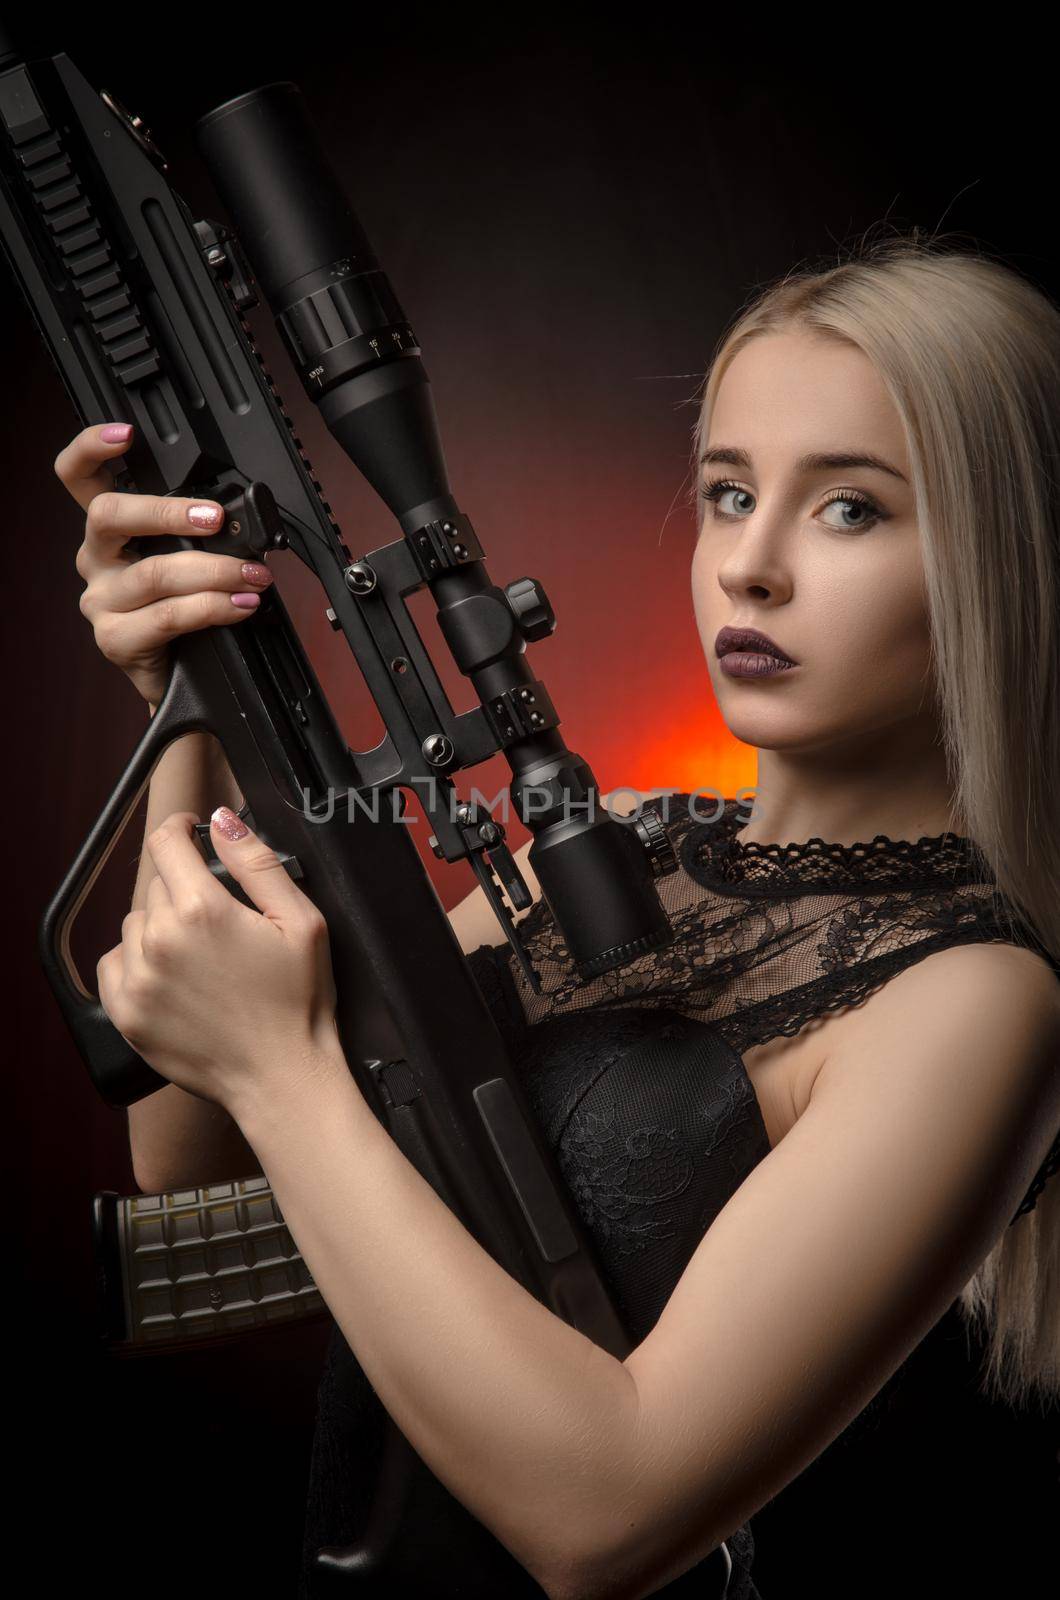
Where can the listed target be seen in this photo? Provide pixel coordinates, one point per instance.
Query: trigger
(514, 884)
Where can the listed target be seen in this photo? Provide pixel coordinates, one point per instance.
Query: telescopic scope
(359, 361)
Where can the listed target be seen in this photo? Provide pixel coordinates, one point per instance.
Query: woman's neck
(897, 786)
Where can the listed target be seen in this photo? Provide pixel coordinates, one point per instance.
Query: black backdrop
(570, 213)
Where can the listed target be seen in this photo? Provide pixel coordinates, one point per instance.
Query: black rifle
(142, 309)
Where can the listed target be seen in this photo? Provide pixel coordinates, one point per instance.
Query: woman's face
(825, 559)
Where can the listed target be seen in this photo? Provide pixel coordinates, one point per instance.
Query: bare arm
(832, 1260)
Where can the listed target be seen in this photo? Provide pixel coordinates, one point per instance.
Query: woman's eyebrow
(828, 461)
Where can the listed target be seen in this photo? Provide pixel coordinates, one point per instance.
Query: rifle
(144, 309)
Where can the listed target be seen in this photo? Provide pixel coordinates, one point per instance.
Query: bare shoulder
(1007, 981)
(970, 1026)
(1001, 986)
(969, 963)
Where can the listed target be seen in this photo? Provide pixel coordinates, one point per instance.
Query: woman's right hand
(137, 605)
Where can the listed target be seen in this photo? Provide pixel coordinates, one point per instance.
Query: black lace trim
(714, 855)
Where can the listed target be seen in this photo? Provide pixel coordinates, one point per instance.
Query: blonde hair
(969, 351)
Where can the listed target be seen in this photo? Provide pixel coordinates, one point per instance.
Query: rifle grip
(120, 1074)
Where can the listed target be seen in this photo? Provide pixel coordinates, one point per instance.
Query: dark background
(570, 213)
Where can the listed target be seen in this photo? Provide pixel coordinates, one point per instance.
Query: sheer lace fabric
(638, 1082)
(769, 936)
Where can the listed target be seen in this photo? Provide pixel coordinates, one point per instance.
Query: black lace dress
(637, 1076)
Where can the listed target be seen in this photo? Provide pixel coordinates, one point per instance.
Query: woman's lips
(749, 641)
(753, 664)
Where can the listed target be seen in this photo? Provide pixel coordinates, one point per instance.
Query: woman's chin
(772, 730)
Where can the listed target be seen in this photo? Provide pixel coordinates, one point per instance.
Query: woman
(878, 1141)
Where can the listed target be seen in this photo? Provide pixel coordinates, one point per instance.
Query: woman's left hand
(233, 1005)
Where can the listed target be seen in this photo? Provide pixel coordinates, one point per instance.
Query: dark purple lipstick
(747, 653)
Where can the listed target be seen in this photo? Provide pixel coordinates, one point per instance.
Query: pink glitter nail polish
(205, 516)
(228, 824)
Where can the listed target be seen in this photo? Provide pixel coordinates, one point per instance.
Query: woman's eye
(856, 511)
(865, 513)
(719, 489)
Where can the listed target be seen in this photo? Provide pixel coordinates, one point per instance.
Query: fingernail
(116, 433)
(246, 602)
(256, 572)
(228, 824)
(205, 516)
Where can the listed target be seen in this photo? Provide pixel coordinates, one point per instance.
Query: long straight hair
(969, 351)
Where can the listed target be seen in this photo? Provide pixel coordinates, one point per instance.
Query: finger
(109, 970)
(257, 869)
(132, 936)
(79, 466)
(191, 885)
(118, 967)
(157, 895)
(125, 635)
(115, 518)
(180, 572)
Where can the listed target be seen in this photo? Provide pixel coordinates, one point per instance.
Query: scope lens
(280, 189)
